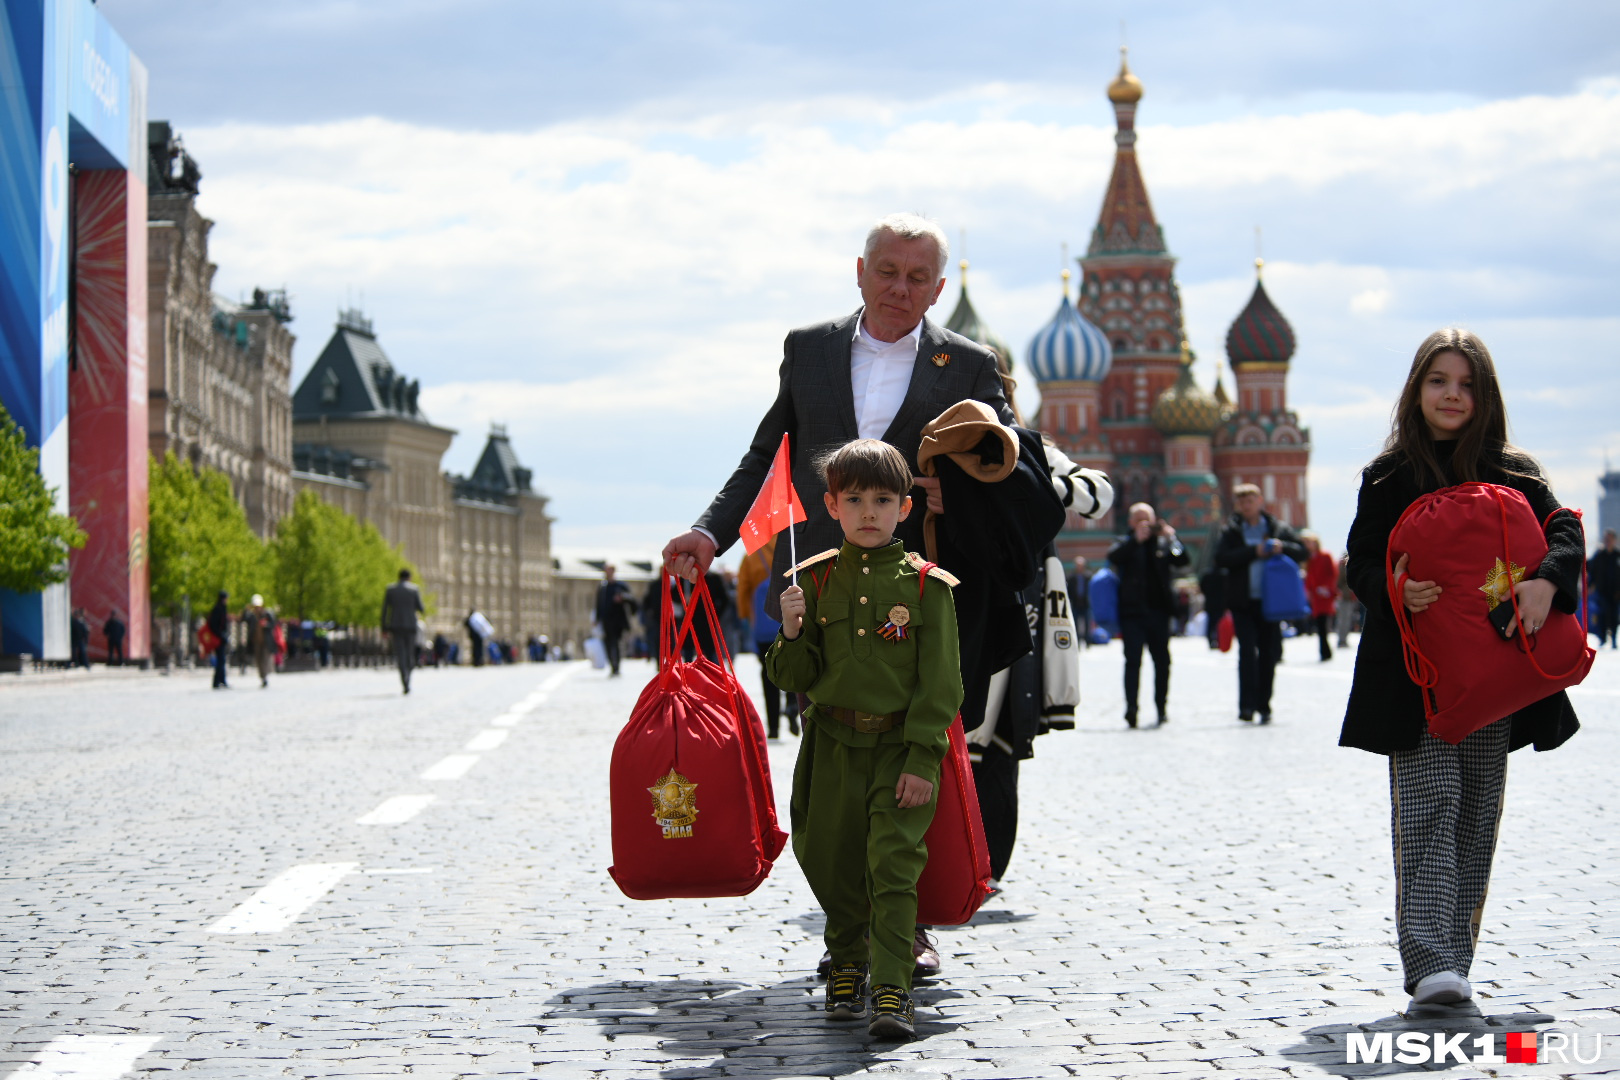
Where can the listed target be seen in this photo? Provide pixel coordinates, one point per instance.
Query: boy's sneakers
(846, 993)
(893, 1016)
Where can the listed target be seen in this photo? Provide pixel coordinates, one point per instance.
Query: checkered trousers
(1445, 806)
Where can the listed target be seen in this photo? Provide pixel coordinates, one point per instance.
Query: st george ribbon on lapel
(775, 508)
(941, 359)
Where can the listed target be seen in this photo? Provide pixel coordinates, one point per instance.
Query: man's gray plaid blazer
(815, 405)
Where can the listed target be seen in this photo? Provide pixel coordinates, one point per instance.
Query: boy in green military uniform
(872, 641)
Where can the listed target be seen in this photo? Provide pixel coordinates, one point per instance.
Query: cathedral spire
(1126, 224)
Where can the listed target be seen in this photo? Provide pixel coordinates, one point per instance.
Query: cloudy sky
(595, 222)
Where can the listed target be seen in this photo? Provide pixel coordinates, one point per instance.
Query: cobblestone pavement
(1208, 899)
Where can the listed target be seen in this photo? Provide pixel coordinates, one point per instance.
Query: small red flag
(777, 506)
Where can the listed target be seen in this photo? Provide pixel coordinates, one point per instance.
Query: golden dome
(1126, 89)
(1186, 408)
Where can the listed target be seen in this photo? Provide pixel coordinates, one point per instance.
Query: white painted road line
(506, 720)
(553, 681)
(487, 740)
(274, 907)
(397, 810)
(453, 767)
(88, 1057)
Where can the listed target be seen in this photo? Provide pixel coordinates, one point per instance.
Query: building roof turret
(965, 321)
(1260, 334)
(353, 377)
(1070, 348)
(1186, 408)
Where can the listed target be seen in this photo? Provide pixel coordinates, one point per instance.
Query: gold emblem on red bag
(1500, 581)
(674, 805)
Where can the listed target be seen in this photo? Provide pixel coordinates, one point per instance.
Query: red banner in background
(777, 505)
(107, 415)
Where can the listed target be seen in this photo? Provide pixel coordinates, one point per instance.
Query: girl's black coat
(1385, 713)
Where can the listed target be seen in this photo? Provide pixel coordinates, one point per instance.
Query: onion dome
(1260, 335)
(965, 321)
(1186, 408)
(1126, 89)
(1069, 348)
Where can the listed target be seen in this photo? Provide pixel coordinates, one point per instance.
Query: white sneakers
(1441, 988)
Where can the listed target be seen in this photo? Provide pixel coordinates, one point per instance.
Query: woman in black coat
(1450, 428)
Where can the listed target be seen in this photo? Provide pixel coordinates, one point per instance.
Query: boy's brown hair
(865, 465)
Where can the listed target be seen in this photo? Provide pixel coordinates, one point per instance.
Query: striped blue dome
(1069, 348)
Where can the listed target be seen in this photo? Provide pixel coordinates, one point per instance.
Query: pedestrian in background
(402, 602)
(753, 582)
(1450, 428)
(1146, 562)
(651, 613)
(1604, 569)
(1252, 536)
(260, 625)
(614, 606)
(1348, 604)
(480, 631)
(1079, 583)
(1321, 586)
(219, 624)
(114, 629)
(79, 639)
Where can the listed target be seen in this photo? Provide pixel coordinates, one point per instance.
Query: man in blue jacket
(1252, 536)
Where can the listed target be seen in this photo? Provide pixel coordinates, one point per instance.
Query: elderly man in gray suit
(401, 603)
(880, 373)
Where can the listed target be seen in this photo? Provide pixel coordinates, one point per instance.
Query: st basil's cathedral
(1116, 381)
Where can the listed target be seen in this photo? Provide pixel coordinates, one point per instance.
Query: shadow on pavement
(757, 1031)
(1327, 1047)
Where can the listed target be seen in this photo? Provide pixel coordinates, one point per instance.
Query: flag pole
(793, 547)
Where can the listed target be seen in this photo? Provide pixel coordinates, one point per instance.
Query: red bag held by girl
(1476, 541)
(693, 811)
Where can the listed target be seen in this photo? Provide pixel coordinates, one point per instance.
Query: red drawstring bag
(690, 787)
(957, 877)
(1225, 631)
(1476, 541)
(207, 641)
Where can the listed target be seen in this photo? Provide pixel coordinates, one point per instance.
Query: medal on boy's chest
(895, 628)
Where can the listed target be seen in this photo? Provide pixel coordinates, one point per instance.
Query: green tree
(328, 566)
(34, 538)
(199, 538)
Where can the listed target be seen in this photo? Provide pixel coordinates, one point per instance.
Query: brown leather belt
(866, 723)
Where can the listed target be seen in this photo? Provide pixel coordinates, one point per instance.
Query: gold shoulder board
(918, 562)
(830, 553)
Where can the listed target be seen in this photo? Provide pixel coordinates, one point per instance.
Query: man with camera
(1146, 562)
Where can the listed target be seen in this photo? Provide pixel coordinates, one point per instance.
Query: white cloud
(617, 292)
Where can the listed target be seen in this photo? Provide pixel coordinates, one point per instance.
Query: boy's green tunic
(862, 854)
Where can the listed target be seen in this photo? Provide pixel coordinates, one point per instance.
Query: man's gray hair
(909, 227)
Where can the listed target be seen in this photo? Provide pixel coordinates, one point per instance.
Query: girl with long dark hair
(1450, 427)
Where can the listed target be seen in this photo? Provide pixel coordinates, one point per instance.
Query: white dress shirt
(879, 373)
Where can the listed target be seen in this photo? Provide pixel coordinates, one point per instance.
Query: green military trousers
(861, 853)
